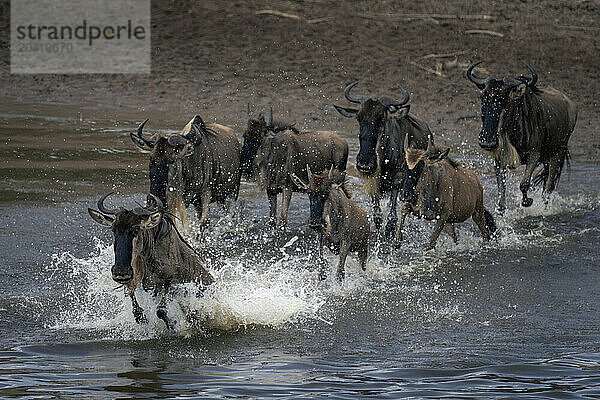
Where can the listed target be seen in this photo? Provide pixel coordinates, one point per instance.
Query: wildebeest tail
(490, 224)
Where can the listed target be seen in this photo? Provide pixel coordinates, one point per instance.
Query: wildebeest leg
(322, 262)
(161, 312)
(501, 181)
(272, 208)
(449, 229)
(439, 225)
(390, 226)
(285, 205)
(343, 254)
(183, 214)
(405, 210)
(554, 166)
(526, 181)
(377, 219)
(204, 207)
(362, 258)
(138, 312)
(479, 219)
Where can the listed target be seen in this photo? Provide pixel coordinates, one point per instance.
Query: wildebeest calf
(342, 225)
(438, 188)
(149, 250)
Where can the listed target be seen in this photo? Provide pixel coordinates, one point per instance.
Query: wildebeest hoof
(527, 202)
(140, 318)
(322, 275)
(161, 313)
(398, 243)
(390, 228)
(377, 222)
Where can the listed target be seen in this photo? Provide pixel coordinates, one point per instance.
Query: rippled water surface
(516, 317)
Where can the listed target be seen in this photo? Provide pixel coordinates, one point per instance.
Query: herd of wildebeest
(522, 124)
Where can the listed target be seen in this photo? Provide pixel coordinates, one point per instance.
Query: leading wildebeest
(341, 224)
(199, 166)
(383, 125)
(524, 124)
(273, 151)
(438, 188)
(149, 250)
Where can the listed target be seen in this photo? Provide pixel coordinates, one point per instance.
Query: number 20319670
(45, 47)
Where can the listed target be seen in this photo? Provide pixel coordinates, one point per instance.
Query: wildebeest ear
(100, 218)
(198, 121)
(183, 147)
(438, 156)
(404, 111)
(340, 178)
(518, 91)
(151, 220)
(298, 182)
(143, 146)
(346, 112)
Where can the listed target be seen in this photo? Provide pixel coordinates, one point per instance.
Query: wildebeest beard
(159, 177)
(317, 205)
(411, 179)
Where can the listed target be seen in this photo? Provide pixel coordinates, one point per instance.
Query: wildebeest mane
(280, 126)
(151, 237)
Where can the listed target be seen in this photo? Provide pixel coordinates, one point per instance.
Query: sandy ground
(212, 58)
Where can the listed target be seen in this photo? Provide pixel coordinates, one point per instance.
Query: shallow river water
(516, 317)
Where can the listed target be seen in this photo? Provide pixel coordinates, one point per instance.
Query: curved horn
(406, 96)
(105, 210)
(347, 93)
(140, 133)
(480, 83)
(270, 123)
(429, 146)
(405, 142)
(534, 75)
(308, 171)
(330, 175)
(158, 204)
(248, 113)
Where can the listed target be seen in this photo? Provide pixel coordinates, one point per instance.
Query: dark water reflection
(514, 318)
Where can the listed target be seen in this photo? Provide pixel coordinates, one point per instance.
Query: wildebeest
(524, 125)
(438, 188)
(341, 224)
(149, 250)
(383, 125)
(273, 151)
(199, 166)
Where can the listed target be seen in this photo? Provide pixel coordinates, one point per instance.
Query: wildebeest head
(164, 152)
(253, 136)
(417, 161)
(498, 97)
(372, 117)
(126, 226)
(318, 188)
